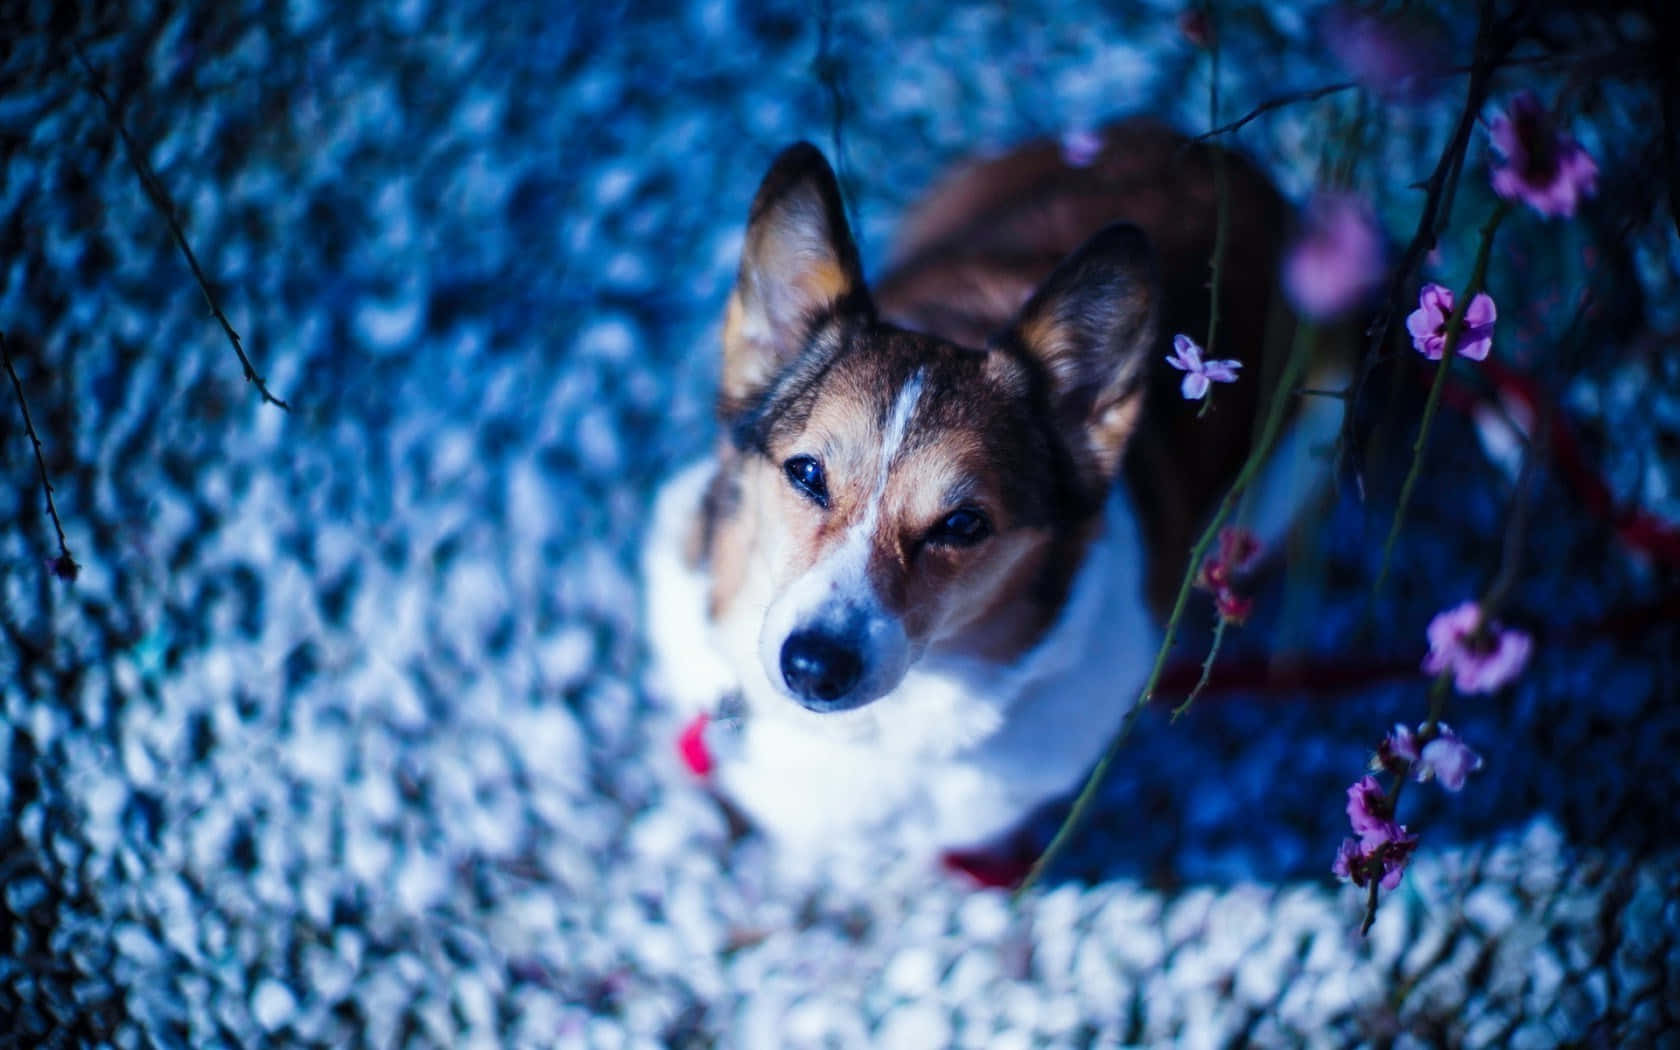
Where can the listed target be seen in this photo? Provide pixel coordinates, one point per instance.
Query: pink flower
(1481, 662)
(1337, 259)
(1356, 863)
(1428, 324)
(1237, 550)
(1081, 147)
(1368, 811)
(1382, 845)
(1397, 751)
(1448, 759)
(1187, 357)
(1396, 54)
(1542, 166)
(1445, 757)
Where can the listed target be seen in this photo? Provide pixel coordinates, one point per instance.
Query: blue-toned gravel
(340, 739)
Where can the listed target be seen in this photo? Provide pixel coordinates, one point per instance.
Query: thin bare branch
(65, 566)
(160, 200)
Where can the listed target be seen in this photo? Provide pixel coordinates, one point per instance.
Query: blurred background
(338, 736)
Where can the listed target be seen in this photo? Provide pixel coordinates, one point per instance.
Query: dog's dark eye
(807, 476)
(963, 527)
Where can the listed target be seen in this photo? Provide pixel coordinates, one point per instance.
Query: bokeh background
(340, 738)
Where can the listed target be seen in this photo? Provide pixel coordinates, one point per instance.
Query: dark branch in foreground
(1493, 43)
(64, 566)
(1276, 103)
(160, 199)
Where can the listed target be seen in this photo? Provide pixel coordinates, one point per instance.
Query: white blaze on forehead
(837, 586)
(898, 424)
(850, 559)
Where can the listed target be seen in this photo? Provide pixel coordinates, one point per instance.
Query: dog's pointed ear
(1091, 327)
(798, 266)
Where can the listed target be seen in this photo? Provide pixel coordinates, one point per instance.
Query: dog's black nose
(820, 669)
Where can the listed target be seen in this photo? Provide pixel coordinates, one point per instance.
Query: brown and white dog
(908, 556)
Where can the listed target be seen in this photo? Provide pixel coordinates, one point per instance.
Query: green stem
(1455, 330)
(1299, 354)
(1207, 669)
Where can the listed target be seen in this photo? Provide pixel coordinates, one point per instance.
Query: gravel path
(340, 738)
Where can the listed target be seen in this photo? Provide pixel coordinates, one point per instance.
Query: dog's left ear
(1091, 327)
(798, 266)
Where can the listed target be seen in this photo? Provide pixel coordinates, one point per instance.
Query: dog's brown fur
(983, 239)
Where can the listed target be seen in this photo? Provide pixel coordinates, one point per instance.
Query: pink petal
(1503, 135)
(1221, 371)
(1439, 299)
(1403, 743)
(1448, 629)
(1188, 352)
(1449, 759)
(1475, 344)
(1481, 310)
(1392, 871)
(1490, 672)
(1081, 147)
(1348, 858)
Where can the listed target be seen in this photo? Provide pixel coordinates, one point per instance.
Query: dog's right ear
(798, 266)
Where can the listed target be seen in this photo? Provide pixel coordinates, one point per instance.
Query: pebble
(914, 1026)
(272, 1004)
(410, 803)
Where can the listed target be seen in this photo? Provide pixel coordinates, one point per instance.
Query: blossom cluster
(1237, 550)
(1383, 846)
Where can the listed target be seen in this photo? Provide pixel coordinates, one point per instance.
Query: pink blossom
(1081, 147)
(1481, 662)
(1337, 259)
(1187, 357)
(1396, 54)
(1445, 757)
(1428, 324)
(1543, 166)
(1397, 751)
(1382, 844)
(1237, 550)
(1368, 811)
(1448, 759)
(1354, 862)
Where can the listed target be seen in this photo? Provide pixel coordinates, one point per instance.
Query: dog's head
(905, 494)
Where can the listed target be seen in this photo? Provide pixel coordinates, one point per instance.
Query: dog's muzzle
(822, 670)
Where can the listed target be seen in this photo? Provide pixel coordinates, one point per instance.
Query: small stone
(984, 915)
(914, 1026)
(272, 1004)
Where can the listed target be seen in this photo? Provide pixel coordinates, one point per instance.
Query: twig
(1491, 47)
(1493, 599)
(1207, 670)
(1324, 90)
(65, 567)
(160, 200)
(1270, 104)
(1455, 330)
(828, 71)
(1222, 221)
